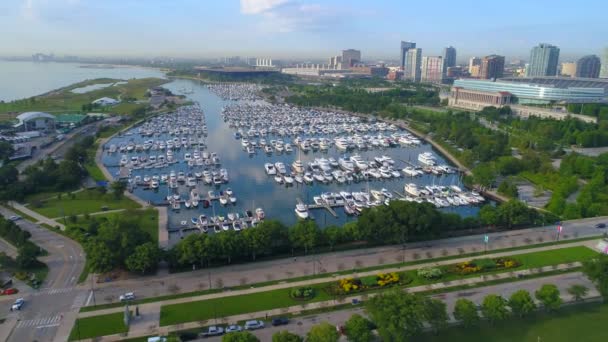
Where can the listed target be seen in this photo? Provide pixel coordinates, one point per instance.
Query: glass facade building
(543, 60)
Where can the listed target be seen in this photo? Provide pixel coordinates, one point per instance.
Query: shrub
(430, 273)
(384, 279)
(303, 292)
(485, 264)
(349, 284)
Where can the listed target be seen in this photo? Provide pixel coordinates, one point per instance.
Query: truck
(213, 331)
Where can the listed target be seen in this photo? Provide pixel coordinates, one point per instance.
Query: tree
(466, 312)
(118, 189)
(436, 313)
(398, 315)
(494, 308)
(548, 294)
(242, 336)
(578, 292)
(286, 336)
(258, 240)
(332, 235)
(144, 259)
(26, 257)
(100, 257)
(322, 332)
(304, 234)
(521, 303)
(358, 329)
(597, 270)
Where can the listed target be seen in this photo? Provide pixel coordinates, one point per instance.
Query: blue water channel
(248, 180)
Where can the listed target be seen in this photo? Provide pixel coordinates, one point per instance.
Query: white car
(15, 218)
(233, 328)
(18, 304)
(127, 296)
(253, 325)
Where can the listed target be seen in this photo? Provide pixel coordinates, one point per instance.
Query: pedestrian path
(80, 299)
(44, 322)
(50, 291)
(35, 215)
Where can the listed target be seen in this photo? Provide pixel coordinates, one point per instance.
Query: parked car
(253, 325)
(15, 218)
(233, 328)
(127, 296)
(600, 225)
(8, 291)
(213, 331)
(280, 321)
(18, 304)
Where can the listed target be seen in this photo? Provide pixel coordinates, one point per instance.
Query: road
(58, 295)
(301, 325)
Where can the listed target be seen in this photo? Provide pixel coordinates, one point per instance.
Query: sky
(299, 28)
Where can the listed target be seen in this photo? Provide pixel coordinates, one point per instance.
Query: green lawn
(87, 201)
(147, 219)
(576, 323)
(90, 327)
(227, 306)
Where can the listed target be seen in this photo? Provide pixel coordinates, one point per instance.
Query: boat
(426, 158)
(259, 212)
(298, 166)
(223, 200)
(301, 210)
(288, 179)
(308, 178)
(280, 168)
(194, 220)
(278, 179)
(412, 189)
(232, 199)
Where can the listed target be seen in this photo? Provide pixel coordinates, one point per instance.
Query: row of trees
(27, 250)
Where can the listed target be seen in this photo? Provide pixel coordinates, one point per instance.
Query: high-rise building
(413, 59)
(432, 69)
(604, 68)
(543, 60)
(492, 66)
(350, 57)
(335, 62)
(473, 61)
(588, 66)
(568, 69)
(405, 47)
(449, 57)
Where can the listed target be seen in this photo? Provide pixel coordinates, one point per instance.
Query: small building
(70, 120)
(477, 100)
(35, 121)
(106, 101)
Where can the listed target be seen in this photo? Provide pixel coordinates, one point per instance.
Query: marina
(220, 163)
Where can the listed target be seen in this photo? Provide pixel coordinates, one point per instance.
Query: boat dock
(325, 206)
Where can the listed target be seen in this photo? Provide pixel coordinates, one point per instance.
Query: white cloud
(259, 6)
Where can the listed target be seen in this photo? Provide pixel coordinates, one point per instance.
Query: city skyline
(290, 28)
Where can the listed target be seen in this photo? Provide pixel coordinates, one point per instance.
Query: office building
(568, 69)
(604, 68)
(543, 61)
(413, 59)
(588, 67)
(453, 72)
(335, 62)
(350, 57)
(474, 61)
(449, 57)
(405, 47)
(474, 70)
(432, 69)
(492, 66)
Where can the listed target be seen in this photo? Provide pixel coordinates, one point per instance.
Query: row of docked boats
(236, 91)
(224, 197)
(232, 221)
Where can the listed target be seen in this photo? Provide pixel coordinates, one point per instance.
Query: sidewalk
(141, 330)
(40, 218)
(329, 278)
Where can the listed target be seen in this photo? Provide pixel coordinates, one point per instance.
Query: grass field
(147, 219)
(575, 323)
(86, 201)
(227, 306)
(90, 327)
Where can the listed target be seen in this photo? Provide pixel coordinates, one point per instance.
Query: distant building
(432, 69)
(588, 67)
(350, 57)
(568, 69)
(374, 71)
(405, 47)
(106, 101)
(474, 61)
(492, 66)
(543, 60)
(264, 62)
(477, 100)
(35, 121)
(335, 62)
(250, 61)
(394, 75)
(474, 70)
(449, 57)
(604, 68)
(413, 60)
(454, 72)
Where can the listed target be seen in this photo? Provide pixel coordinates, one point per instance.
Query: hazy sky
(306, 28)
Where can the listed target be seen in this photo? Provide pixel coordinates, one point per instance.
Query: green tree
(466, 312)
(304, 234)
(358, 329)
(144, 259)
(494, 308)
(242, 336)
(322, 332)
(332, 235)
(508, 189)
(258, 240)
(521, 303)
(578, 292)
(100, 257)
(118, 189)
(548, 294)
(436, 314)
(286, 336)
(597, 270)
(26, 257)
(398, 315)
(230, 244)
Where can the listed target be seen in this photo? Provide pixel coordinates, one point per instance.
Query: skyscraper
(604, 68)
(405, 47)
(449, 57)
(492, 67)
(413, 59)
(350, 57)
(432, 69)
(543, 60)
(588, 66)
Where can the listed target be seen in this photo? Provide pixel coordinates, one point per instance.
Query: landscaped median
(281, 298)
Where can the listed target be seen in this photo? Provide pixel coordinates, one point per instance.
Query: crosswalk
(49, 291)
(79, 300)
(39, 323)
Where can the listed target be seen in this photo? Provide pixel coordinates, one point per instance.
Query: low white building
(106, 101)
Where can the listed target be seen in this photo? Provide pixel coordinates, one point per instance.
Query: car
(15, 218)
(600, 225)
(18, 304)
(233, 328)
(280, 321)
(253, 325)
(213, 331)
(8, 291)
(127, 297)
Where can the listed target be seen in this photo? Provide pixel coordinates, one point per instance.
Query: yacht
(259, 212)
(298, 166)
(346, 164)
(280, 168)
(308, 178)
(270, 169)
(301, 211)
(412, 189)
(426, 158)
(288, 179)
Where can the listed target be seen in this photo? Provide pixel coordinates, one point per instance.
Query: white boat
(224, 200)
(301, 211)
(412, 189)
(259, 212)
(270, 169)
(288, 179)
(426, 158)
(298, 166)
(308, 178)
(280, 168)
